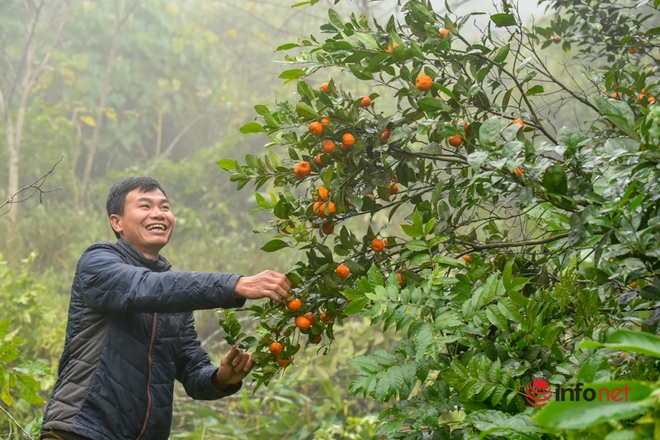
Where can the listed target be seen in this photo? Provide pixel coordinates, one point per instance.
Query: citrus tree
(496, 207)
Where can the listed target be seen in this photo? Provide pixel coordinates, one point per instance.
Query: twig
(480, 247)
(36, 186)
(15, 422)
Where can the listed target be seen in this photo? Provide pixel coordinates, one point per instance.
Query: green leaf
(535, 90)
(582, 414)
(286, 46)
(356, 306)
(431, 104)
(503, 20)
(252, 127)
(292, 75)
(335, 19)
(306, 111)
(637, 342)
(368, 41)
(502, 53)
(28, 388)
(227, 164)
(375, 277)
(489, 129)
(417, 245)
(274, 245)
(595, 369)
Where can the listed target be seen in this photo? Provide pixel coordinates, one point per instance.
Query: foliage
(19, 386)
(507, 240)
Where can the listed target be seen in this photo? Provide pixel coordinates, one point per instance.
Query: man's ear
(115, 223)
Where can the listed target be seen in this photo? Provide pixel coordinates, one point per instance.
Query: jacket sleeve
(109, 284)
(194, 368)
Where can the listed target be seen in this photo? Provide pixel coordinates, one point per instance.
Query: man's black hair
(117, 196)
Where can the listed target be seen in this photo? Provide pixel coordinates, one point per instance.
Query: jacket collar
(159, 265)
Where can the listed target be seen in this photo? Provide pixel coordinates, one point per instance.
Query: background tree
(502, 246)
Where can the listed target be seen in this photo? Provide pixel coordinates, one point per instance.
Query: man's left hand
(234, 366)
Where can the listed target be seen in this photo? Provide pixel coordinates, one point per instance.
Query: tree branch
(34, 187)
(15, 422)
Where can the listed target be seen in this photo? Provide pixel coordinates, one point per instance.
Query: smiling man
(131, 333)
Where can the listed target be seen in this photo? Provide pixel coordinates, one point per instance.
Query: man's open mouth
(156, 227)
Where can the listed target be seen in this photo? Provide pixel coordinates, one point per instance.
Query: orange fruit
(325, 88)
(328, 146)
(317, 209)
(467, 258)
(390, 48)
(519, 122)
(423, 82)
(347, 139)
(315, 340)
(377, 245)
(283, 362)
(343, 271)
(465, 124)
(615, 95)
(400, 277)
(455, 141)
(325, 318)
(385, 135)
(302, 170)
(323, 194)
(330, 208)
(287, 229)
(649, 70)
(651, 100)
(443, 33)
(316, 128)
(393, 188)
(518, 171)
(310, 317)
(325, 121)
(319, 161)
(302, 323)
(641, 96)
(632, 51)
(556, 39)
(315, 224)
(294, 305)
(328, 228)
(365, 102)
(634, 284)
(276, 348)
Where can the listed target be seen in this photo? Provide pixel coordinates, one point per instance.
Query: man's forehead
(153, 195)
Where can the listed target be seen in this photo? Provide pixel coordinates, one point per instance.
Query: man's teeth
(152, 227)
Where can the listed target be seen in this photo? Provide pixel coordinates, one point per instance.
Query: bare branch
(32, 189)
(16, 423)
(174, 142)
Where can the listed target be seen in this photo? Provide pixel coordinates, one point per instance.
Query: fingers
(267, 284)
(242, 362)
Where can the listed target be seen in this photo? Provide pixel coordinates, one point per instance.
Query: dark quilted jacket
(130, 335)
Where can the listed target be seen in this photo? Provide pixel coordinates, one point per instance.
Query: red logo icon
(538, 392)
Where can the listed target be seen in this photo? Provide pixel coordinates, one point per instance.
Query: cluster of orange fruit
(303, 322)
(650, 100)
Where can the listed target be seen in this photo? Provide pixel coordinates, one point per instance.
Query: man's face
(147, 223)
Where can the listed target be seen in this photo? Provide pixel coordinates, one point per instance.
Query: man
(131, 331)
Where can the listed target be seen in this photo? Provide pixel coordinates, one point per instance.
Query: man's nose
(157, 213)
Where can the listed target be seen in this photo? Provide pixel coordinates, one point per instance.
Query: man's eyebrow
(149, 200)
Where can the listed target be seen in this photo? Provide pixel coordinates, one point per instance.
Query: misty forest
(464, 194)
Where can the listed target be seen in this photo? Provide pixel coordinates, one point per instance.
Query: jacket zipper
(151, 349)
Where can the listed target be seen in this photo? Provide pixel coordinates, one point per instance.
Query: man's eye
(166, 208)
(144, 206)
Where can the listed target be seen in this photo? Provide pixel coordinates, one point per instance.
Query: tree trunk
(121, 18)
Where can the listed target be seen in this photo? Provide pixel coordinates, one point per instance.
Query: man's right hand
(267, 284)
